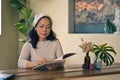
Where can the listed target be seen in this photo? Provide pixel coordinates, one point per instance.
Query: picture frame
(90, 16)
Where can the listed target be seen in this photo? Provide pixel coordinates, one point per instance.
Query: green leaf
(104, 59)
(22, 28)
(22, 21)
(111, 59)
(103, 46)
(95, 47)
(15, 3)
(97, 53)
(26, 12)
(107, 62)
(101, 56)
(31, 20)
(110, 49)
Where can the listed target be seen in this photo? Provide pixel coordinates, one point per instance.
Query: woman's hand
(42, 60)
(31, 64)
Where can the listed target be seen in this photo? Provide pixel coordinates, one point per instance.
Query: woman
(42, 44)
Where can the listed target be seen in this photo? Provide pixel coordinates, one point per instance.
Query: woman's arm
(24, 61)
(59, 51)
(59, 54)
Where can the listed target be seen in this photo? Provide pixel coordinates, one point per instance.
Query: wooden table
(73, 71)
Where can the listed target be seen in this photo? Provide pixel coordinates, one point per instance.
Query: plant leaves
(102, 46)
(104, 53)
(111, 59)
(15, 3)
(101, 55)
(104, 59)
(95, 47)
(26, 12)
(24, 24)
(107, 62)
(110, 49)
(31, 20)
(22, 21)
(22, 28)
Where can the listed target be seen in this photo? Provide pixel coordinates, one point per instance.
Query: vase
(98, 64)
(87, 61)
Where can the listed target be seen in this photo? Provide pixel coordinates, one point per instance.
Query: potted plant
(26, 21)
(104, 52)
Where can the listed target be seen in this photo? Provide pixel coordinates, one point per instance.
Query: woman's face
(43, 28)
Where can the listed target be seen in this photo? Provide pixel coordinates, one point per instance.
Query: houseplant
(26, 20)
(104, 52)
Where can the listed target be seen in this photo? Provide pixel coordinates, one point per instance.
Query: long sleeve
(59, 51)
(24, 55)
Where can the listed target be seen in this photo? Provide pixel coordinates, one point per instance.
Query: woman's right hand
(31, 64)
(41, 60)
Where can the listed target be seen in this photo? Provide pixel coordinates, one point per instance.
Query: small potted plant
(105, 53)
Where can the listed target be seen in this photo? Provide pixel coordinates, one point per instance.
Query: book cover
(53, 62)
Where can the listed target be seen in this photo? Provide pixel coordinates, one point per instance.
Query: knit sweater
(45, 49)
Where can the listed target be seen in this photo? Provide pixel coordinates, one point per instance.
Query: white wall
(58, 10)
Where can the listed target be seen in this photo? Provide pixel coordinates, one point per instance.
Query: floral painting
(91, 15)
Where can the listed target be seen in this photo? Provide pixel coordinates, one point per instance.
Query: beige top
(45, 49)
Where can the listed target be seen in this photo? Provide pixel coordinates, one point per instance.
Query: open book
(54, 62)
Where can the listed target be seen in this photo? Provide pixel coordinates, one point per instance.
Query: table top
(72, 71)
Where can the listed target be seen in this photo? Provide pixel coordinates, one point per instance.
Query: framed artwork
(90, 16)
